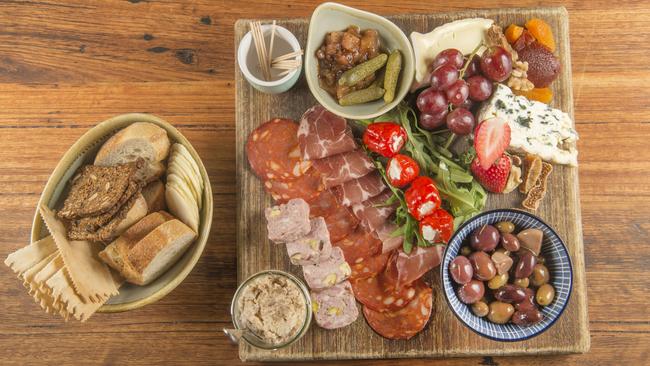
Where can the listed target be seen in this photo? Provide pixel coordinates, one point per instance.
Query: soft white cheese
(429, 234)
(426, 208)
(394, 170)
(464, 35)
(535, 127)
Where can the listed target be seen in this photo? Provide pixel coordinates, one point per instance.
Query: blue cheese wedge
(535, 127)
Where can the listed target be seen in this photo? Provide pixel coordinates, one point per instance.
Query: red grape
(467, 104)
(473, 68)
(431, 101)
(460, 121)
(433, 121)
(443, 77)
(450, 56)
(457, 92)
(480, 88)
(496, 64)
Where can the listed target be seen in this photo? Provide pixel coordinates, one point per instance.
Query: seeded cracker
(92, 280)
(97, 189)
(106, 232)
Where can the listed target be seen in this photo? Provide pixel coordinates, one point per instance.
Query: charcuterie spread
(112, 226)
(366, 206)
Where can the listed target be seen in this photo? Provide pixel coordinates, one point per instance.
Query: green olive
(522, 282)
(505, 227)
(466, 251)
(545, 294)
(498, 281)
(500, 312)
(540, 275)
(480, 309)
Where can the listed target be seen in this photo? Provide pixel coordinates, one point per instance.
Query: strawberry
(494, 178)
(491, 139)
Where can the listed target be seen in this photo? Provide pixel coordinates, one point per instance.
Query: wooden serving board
(444, 335)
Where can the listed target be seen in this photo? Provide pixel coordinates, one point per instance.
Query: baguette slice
(145, 260)
(154, 194)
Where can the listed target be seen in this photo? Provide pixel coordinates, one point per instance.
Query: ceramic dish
(83, 152)
(557, 261)
(330, 17)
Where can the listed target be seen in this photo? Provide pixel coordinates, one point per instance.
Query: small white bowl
(246, 53)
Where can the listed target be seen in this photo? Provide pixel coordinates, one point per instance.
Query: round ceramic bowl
(330, 17)
(234, 311)
(247, 61)
(83, 152)
(557, 260)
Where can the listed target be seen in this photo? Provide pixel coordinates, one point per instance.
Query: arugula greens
(463, 196)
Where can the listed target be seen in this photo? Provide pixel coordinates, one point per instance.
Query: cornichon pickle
(393, 68)
(361, 96)
(362, 71)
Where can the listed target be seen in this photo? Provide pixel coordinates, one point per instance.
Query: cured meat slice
(379, 292)
(412, 266)
(340, 223)
(288, 222)
(322, 134)
(307, 186)
(313, 247)
(373, 213)
(360, 189)
(358, 245)
(334, 307)
(273, 152)
(338, 169)
(406, 322)
(327, 273)
(388, 241)
(324, 204)
(369, 267)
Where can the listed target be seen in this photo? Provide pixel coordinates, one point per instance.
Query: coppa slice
(341, 168)
(340, 223)
(360, 189)
(412, 266)
(388, 241)
(369, 267)
(406, 322)
(358, 245)
(308, 186)
(380, 292)
(322, 134)
(373, 213)
(273, 153)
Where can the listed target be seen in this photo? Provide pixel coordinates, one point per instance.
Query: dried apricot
(544, 95)
(513, 32)
(542, 32)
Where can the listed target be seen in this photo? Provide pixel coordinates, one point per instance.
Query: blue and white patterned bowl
(557, 260)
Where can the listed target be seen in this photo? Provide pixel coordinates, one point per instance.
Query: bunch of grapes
(456, 84)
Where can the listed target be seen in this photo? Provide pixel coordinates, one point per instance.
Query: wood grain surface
(67, 65)
(444, 335)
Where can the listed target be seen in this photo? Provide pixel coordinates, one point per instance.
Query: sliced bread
(154, 194)
(139, 140)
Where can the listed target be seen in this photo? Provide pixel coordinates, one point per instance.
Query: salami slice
(340, 223)
(308, 186)
(323, 205)
(359, 245)
(273, 151)
(380, 294)
(369, 267)
(406, 322)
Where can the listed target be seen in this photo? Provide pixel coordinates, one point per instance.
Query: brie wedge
(535, 127)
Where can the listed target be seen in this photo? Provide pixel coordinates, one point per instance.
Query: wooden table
(66, 65)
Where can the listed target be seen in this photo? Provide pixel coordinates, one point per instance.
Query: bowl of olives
(506, 275)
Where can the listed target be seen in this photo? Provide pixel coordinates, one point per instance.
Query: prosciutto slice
(388, 242)
(373, 212)
(359, 190)
(322, 134)
(338, 169)
(412, 266)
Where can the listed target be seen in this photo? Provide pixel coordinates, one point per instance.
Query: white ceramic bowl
(246, 51)
(330, 17)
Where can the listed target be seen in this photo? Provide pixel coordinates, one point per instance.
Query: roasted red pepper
(422, 197)
(437, 227)
(384, 138)
(401, 170)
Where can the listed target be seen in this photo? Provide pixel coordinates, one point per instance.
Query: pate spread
(273, 307)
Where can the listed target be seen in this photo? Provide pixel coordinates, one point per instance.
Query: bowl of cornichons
(135, 188)
(358, 64)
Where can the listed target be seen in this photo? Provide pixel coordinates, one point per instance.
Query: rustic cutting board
(444, 335)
